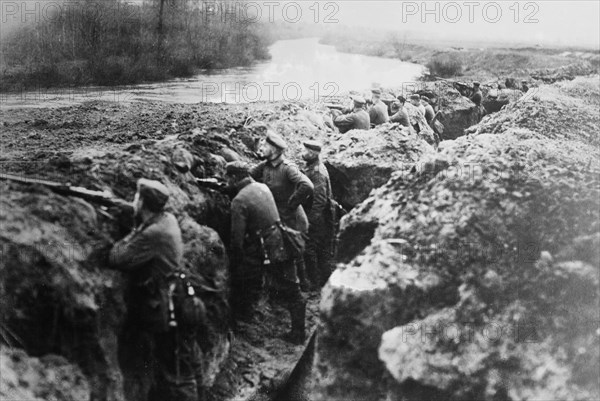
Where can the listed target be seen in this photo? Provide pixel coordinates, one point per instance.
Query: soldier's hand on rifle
(122, 203)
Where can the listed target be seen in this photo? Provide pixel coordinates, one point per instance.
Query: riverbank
(470, 62)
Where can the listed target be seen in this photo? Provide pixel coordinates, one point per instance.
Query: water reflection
(298, 69)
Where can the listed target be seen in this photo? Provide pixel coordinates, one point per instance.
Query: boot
(298, 316)
(305, 285)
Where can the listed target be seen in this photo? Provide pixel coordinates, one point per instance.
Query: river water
(298, 69)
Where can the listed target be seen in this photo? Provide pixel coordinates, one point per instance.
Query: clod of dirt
(478, 280)
(33, 379)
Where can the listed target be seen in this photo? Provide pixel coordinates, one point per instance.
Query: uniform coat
(378, 113)
(252, 210)
(290, 189)
(321, 218)
(357, 119)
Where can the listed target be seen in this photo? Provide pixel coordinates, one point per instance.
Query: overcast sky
(570, 23)
(544, 22)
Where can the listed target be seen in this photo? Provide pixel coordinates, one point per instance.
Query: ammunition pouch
(189, 310)
(273, 247)
(294, 241)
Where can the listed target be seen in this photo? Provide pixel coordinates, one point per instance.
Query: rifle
(335, 106)
(104, 198)
(212, 183)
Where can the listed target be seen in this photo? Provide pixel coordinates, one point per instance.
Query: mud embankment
(476, 276)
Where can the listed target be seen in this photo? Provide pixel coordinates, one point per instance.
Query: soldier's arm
(303, 186)
(319, 198)
(344, 120)
(400, 117)
(238, 230)
(134, 250)
(256, 172)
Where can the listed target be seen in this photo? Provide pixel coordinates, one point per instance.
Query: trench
(297, 385)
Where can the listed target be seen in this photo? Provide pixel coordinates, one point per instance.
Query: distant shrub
(445, 65)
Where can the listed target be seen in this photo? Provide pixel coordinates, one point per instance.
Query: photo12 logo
(266, 11)
(248, 92)
(470, 11)
(56, 11)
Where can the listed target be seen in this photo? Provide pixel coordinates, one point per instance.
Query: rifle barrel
(103, 197)
(25, 180)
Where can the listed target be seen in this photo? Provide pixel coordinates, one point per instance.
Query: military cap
(376, 91)
(237, 167)
(358, 99)
(401, 98)
(276, 140)
(476, 83)
(313, 145)
(415, 97)
(153, 192)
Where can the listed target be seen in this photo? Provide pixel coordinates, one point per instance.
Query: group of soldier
(276, 191)
(365, 116)
(271, 195)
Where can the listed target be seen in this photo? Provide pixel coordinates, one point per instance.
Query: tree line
(108, 42)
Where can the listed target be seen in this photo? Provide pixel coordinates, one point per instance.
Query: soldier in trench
(151, 253)
(354, 118)
(290, 189)
(253, 211)
(321, 216)
(429, 112)
(477, 98)
(399, 114)
(378, 113)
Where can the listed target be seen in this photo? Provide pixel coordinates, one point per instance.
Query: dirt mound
(360, 161)
(33, 379)
(475, 276)
(568, 72)
(564, 111)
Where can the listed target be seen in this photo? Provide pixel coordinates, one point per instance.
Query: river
(298, 69)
